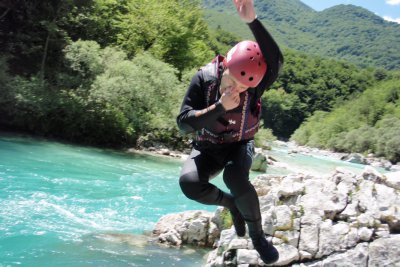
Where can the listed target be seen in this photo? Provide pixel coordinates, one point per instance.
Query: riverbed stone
(259, 162)
(354, 158)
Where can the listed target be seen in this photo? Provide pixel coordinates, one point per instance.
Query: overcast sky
(387, 9)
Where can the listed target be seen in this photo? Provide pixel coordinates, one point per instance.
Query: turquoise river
(68, 205)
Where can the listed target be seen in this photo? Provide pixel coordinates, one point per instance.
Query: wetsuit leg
(236, 177)
(196, 172)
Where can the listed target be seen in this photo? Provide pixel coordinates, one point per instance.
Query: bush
(388, 139)
(263, 138)
(114, 101)
(145, 90)
(367, 124)
(282, 112)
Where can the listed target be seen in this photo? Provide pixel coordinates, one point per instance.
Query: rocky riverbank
(262, 158)
(340, 220)
(357, 158)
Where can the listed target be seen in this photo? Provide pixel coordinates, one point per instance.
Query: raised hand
(230, 99)
(245, 9)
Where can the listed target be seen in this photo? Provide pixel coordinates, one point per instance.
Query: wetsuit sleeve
(271, 53)
(194, 115)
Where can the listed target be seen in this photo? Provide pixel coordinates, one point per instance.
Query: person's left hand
(245, 9)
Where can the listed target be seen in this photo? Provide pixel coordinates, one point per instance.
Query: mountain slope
(353, 33)
(342, 32)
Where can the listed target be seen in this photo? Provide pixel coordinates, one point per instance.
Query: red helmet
(246, 63)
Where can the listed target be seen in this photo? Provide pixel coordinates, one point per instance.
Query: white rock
(298, 209)
(380, 202)
(353, 257)
(355, 158)
(283, 215)
(264, 183)
(290, 187)
(213, 234)
(185, 227)
(352, 238)
(395, 168)
(172, 237)
(365, 220)
(245, 256)
(334, 238)
(382, 231)
(393, 179)
(238, 244)
(288, 237)
(321, 197)
(226, 237)
(371, 174)
(365, 197)
(365, 233)
(304, 255)
(350, 213)
(259, 163)
(385, 252)
(309, 233)
(212, 257)
(343, 175)
(217, 217)
(287, 255)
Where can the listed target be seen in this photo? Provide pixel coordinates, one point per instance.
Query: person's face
(228, 82)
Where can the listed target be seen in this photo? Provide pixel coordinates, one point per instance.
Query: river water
(68, 205)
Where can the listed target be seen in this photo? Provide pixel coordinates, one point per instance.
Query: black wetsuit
(235, 158)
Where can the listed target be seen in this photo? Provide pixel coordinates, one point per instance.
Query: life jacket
(235, 125)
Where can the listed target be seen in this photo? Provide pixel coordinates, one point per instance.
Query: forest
(342, 32)
(114, 72)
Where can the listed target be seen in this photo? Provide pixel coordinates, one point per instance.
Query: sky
(387, 9)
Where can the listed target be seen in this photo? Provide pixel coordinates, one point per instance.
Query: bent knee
(190, 186)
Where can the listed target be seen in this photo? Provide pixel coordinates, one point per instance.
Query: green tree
(173, 31)
(282, 112)
(312, 84)
(33, 35)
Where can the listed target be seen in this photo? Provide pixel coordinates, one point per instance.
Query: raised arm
(245, 9)
(268, 46)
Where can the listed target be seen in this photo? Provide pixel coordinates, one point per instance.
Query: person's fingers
(236, 98)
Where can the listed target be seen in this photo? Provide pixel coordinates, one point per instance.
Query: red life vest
(235, 125)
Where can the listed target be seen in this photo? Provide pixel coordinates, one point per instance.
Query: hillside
(342, 32)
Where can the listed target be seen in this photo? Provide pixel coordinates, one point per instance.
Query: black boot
(249, 207)
(268, 253)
